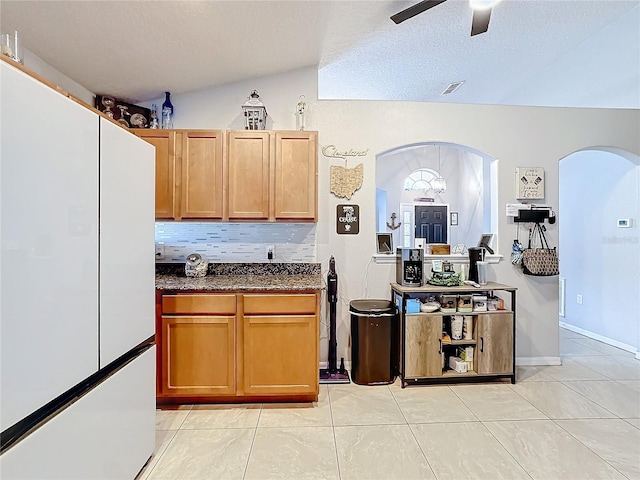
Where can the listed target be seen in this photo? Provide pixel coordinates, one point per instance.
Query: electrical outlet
(271, 252)
(159, 251)
(579, 299)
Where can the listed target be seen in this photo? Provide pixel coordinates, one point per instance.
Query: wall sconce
(300, 113)
(255, 113)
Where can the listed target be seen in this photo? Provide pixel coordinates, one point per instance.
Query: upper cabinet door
(167, 206)
(296, 183)
(249, 175)
(202, 174)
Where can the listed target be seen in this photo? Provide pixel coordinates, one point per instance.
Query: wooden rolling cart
(424, 352)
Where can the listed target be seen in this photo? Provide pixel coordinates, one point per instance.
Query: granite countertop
(242, 277)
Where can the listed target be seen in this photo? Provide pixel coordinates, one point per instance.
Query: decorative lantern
(255, 114)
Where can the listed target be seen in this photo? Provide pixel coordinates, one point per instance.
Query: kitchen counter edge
(241, 282)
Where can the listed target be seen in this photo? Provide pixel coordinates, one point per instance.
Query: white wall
(42, 68)
(221, 107)
(516, 136)
(600, 261)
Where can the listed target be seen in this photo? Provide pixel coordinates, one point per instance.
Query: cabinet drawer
(276, 304)
(199, 303)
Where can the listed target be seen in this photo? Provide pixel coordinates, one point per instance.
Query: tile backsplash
(236, 242)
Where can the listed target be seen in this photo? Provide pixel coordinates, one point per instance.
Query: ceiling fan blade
(414, 10)
(480, 23)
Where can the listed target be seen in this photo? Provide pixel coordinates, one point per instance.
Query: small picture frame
(384, 243)
(484, 242)
(454, 218)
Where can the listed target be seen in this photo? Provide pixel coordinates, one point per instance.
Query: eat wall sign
(348, 219)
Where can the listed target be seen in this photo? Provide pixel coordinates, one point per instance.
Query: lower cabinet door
(423, 346)
(198, 356)
(495, 343)
(280, 354)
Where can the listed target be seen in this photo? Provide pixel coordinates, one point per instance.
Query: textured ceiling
(137, 49)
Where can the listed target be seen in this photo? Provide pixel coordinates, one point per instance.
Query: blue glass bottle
(167, 111)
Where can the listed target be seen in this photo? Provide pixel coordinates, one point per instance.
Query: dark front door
(431, 223)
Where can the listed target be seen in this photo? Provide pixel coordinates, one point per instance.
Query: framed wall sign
(529, 183)
(348, 219)
(454, 218)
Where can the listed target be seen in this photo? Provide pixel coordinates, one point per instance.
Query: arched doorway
(599, 210)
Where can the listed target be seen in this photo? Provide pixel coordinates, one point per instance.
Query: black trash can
(374, 342)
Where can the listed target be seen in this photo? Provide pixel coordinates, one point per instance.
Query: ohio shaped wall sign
(529, 183)
(348, 219)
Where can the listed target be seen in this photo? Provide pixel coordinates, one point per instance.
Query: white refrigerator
(77, 294)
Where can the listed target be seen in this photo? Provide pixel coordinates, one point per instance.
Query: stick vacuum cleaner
(333, 374)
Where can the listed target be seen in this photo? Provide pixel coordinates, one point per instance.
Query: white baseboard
(537, 361)
(543, 361)
(609, 341)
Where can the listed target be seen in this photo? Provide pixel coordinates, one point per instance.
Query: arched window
(420, 179)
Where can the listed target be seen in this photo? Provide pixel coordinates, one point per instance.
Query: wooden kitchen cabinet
(198, 355)
(202, 176)
(249, 177)
(257, 175)
(167, 171)
(189, 176)
(197, 345)
(295, 189)
(494, 332)
(240, 346)
(272, 175)
(280, 344)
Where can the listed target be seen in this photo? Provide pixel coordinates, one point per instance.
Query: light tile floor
(576, 421)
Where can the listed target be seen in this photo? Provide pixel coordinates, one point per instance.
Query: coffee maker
(410, 262)
(476, 254)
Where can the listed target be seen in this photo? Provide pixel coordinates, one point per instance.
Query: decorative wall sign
(454, 218)
(348, 219)
(332, 151)
(345, 181)
(393, 225)
(529, 182)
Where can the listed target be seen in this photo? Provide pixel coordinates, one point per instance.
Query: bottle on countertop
(167, 111)
(153, 121)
